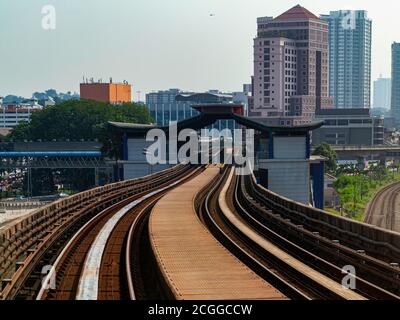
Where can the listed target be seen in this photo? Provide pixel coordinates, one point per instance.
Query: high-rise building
(395, 106)
(382, 93)
(349, 58)
(106, 92)
(290, 67)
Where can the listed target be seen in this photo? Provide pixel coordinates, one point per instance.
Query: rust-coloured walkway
(193, 263)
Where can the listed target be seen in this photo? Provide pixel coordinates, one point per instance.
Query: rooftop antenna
(110, 79)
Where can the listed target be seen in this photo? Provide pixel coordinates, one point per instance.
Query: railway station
(190, 222)
(209, 190)
(283, 161)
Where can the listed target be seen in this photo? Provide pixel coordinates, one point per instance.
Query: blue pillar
(318, 175)
(271, 146)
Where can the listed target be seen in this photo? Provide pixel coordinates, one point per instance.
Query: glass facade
(165, 108)
(349, 58)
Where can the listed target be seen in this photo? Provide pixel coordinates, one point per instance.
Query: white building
(14, 113)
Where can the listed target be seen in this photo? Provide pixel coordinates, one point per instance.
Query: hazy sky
(154, 44)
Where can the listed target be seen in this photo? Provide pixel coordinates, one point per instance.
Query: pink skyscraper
(290, 67)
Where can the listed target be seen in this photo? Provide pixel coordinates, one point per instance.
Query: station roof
(257, 125)
(206, 119)
(196, 96)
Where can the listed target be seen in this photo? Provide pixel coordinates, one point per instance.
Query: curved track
(30, 246)
(100, 244)
(256, 248)
(375, 279)
(107, 254)
(384, 209)
(191, 262)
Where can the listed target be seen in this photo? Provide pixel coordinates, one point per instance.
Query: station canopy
(211, 113)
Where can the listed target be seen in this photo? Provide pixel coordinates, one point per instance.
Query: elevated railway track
(191, 224)
(36, 241)
(374, 278)
(192, 264)
(93, 264)
(257, 250)
(384, 209)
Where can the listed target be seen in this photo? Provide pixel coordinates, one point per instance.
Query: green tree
(325, 150)
(78, 119)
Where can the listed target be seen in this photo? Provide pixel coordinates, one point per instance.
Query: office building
(395, 105)
(290, 67)
(349, 58)
(382, 93)
(349, 127)
(175, 105)
(115, 93)
(164, 108)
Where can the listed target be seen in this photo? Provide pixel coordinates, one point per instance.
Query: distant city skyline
(154, 45)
